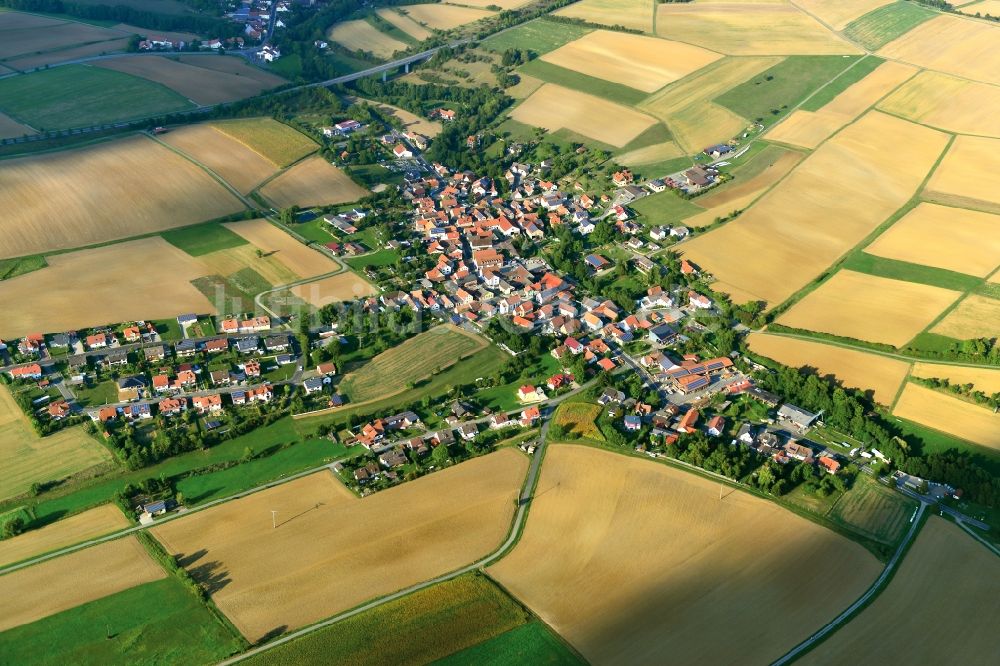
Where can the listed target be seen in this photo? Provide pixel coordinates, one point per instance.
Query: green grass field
(415, 629)
(203, 238)
(664, 208)
(505, 396)
(929, 440)
(863, 68)
(79, 96)
(904, 270)
(380, 258)
(530, 643)
(587, 84)
(884, 24)
(13, 267)
(275, 141)
(289, 460)
(233, 293)
(774, 93)
(407, 364)
(538, 37)
(878, 512)
(155, 623)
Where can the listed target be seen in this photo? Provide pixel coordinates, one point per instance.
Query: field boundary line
(222, 181)
(874, 590)
(992, 548)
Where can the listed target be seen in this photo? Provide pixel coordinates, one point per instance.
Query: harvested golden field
(635, 14)
(363, 36)
(940, 607)
(866, 307)
(155, 273)
(951, 44)
(411, 121)
(274, 141)
(969, 173)
(643, 63)
(658, 152)
(233, 161)
(956, 239)
(346, 550)
(502, 4)
(738, 189)
(103, 192)
(525, 87)
(944, 412)
(234, 259)
(662, 563)
(879, 375)
(975, 317)
(66, 582)
(841, 12)
(26, 458)
(10, 20)
(302, 260)
(991, 7)
(554, 107)
(344, 287)
(810, 128)
(710, 215)
(199, 84)
(818, 212)
(404, 23)
(749, 29)
(686, 106)
(947, 102)
(444, 17)
(11, 128)
(90, 524)
(986, 380)
(312, 182)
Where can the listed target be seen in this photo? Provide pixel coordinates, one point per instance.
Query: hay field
(947, 102)
(853, 369)
(749, 29)
(635, 14)
(940, 607)
(155, 275)
(199, 84)
(975, 317)
(687, 108)
(951, 44)
(363, 36)
(867, 307)
(346, 550)
(659, 152)
(808, 129)
(234, 259)
(986, 380)
(103, 192)
(949, 414)
(838, 14)
(643, 63)
(343, 287)
(411, 121)
(92, 523)
(444, 17)
(991, 7)
(235, 163)
(404, 23)
(662, 564)
(302, 260)
(419, 357)
(970, 171)
(26, 458)
(274, 141)
(554, 107)
(312, 182)
(49, 36)
(580, 420)
(68, 581)
(710, 215)
(818, 212)
(11, 128)
(956, 239)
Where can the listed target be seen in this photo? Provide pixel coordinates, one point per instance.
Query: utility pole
(274, 519)
(720, 491)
